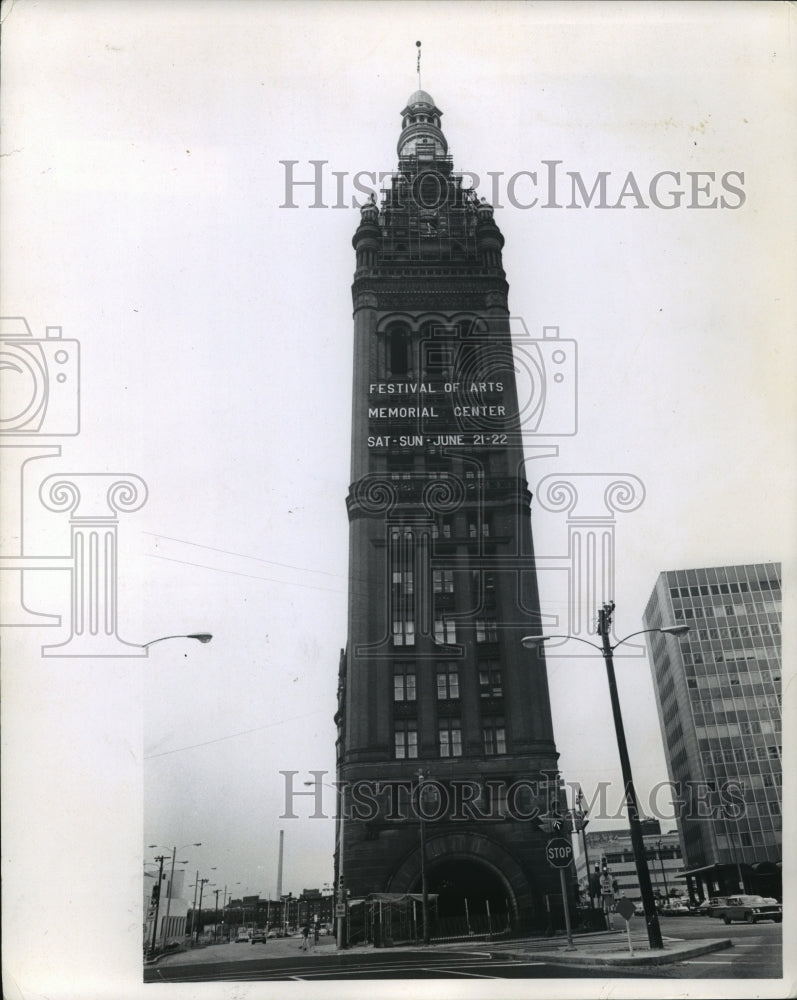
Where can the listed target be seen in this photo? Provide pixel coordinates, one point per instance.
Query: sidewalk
(609, 948)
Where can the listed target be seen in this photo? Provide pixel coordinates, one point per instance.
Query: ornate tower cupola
(421, 133)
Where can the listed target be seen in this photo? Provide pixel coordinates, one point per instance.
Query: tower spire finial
(418, 65)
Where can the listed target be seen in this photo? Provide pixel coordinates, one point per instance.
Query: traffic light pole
(637, 840)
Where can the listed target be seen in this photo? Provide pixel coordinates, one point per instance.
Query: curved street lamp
(202, 637)
(637, 841)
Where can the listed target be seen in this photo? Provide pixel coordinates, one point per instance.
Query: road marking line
(452, 971)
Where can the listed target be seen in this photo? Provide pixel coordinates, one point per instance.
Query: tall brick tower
(434, 683)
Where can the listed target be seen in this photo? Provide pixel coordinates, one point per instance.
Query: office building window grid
(731, 662)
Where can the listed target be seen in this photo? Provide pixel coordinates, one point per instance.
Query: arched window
(398, 350)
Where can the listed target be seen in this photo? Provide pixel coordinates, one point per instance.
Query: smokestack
(279, 865)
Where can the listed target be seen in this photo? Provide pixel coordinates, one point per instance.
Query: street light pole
(637, 840)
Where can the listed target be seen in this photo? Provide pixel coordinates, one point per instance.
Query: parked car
(751, 909)
(676, 910)
(258, 935)
(700, 909)
(242, 937)
(639, 909)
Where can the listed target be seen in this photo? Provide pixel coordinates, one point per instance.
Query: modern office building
(613, 847)
(434, 683)
(718, 693)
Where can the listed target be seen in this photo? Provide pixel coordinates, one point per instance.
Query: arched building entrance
(477, 882)
(471, 896)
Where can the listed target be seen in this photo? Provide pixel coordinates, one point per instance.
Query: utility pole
(202, 883)
(424, 886)
(160, 859)
(637, 840)
(193, 908)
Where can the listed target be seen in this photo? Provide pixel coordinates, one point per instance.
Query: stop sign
(559, 852)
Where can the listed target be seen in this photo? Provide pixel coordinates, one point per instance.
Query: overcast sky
(142, 194)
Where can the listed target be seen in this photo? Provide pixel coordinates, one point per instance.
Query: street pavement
(694, 947)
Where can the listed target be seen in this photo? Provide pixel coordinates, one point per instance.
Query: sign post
(559, 853)
(626, 910)
(607, 897)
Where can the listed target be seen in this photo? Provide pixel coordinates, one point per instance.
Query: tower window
(398, 351)
(490, 684)
(476, 528)
(450, 736)
(445, 632)
(403, 631)
(486, 630)
(447, 682)
(494, 736)
(404, 681)
(402, 600)
(406, 739)
(443, 581)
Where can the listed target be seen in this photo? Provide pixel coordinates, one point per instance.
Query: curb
(658, 958)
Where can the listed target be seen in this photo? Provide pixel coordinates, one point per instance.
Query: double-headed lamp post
(637, 841)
